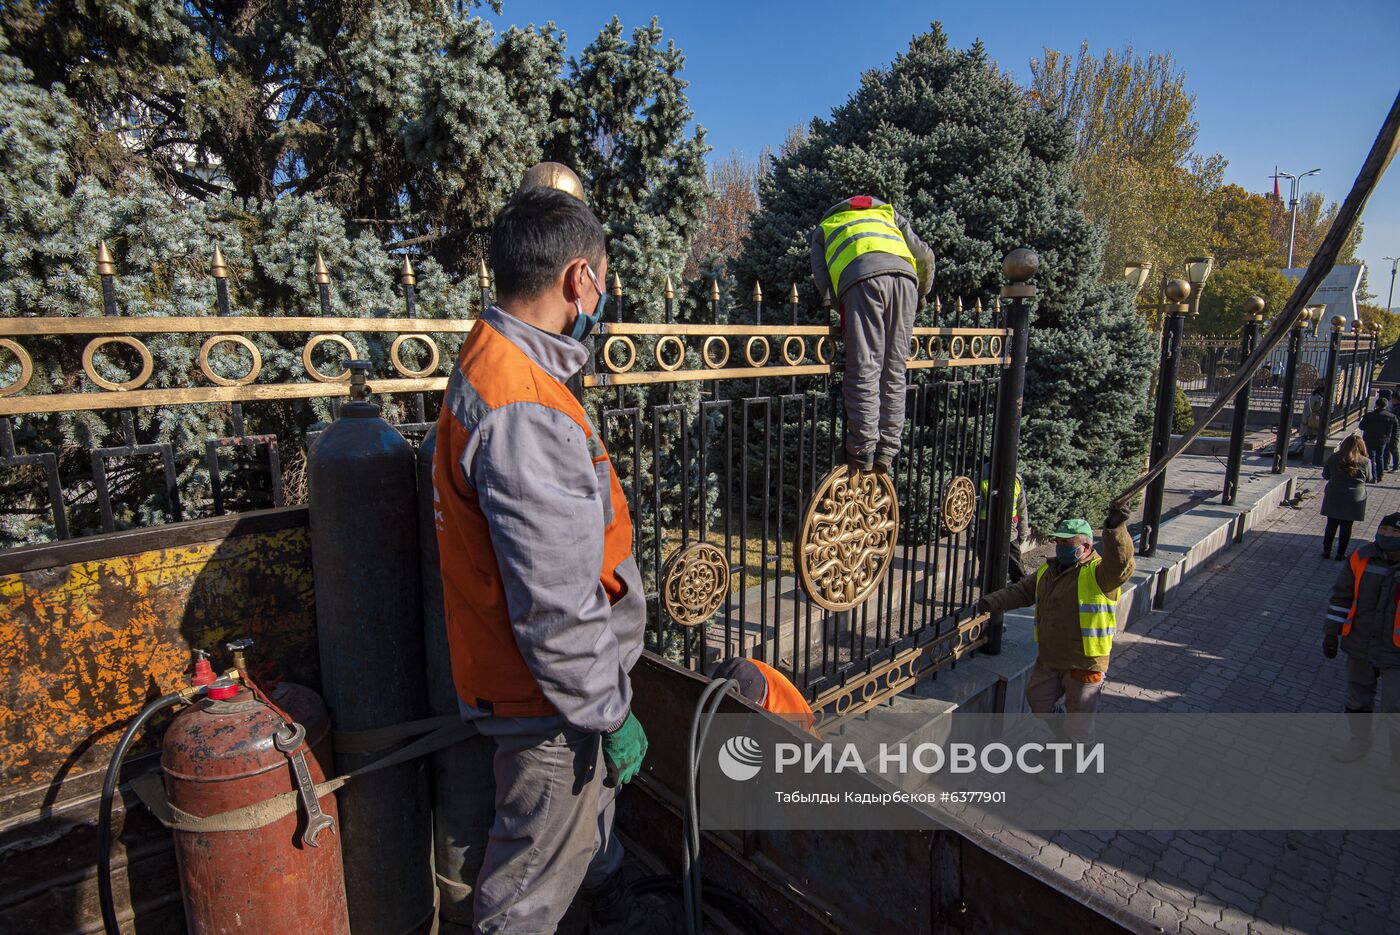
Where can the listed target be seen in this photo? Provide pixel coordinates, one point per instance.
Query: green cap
(1070, 528)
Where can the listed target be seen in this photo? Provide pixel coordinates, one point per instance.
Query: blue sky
(1300, 85)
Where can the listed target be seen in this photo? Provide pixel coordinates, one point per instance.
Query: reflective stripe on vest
(1015, 502)
(1358, 568)
(1098, 610)
(857, 231)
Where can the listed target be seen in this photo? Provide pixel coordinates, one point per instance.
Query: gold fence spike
(937, 305)
(105, 266)
(483, 276)
(217, 267)
(616, 284)
(792, 296)
(406, 275)
(323, 275)
(757, 292)
(670, 289)
(978, 307)
(958, 307)
(714, 289)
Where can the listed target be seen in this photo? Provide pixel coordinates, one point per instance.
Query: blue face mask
(1067, 554)
(585, 323)
(1388, 543)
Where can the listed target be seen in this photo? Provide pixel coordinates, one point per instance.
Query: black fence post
(1019, 267)
(1173, 326)
(1329, 389)
(1290, 381)
(1253, 314)
(409, 281)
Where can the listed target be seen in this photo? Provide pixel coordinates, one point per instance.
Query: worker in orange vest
(1363, 620)
(768, 688)
(545, 606)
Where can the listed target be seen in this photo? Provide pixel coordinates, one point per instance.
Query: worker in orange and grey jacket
(768, 688)
(1363, 618)
(876, 271)
(544, 603)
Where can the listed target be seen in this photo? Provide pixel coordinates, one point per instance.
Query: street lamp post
(1394, 262)
(1295, 184)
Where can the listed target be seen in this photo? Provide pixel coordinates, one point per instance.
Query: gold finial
(792, 296)
(714, 289)
(483, 277)
(1338, 322)
(105, 266)
(616, 285)
(757, 292)
(217, 267)
(937, 305)
(323, 275)
(406, 275)
(670, 289)
(958, 307)
(978, 307)
(553, 175)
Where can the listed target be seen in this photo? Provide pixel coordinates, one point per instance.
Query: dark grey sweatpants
(879, 317)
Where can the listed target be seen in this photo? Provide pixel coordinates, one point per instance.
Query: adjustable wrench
(288, 740)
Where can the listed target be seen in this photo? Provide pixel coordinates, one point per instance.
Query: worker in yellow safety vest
(875, 270)
(1076, 616)
(1020, 535)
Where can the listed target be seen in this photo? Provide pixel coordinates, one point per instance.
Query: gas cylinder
(363, 516)
(219, 755)
(464, 781)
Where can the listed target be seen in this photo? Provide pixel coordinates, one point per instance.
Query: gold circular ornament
(316, 342)
(26, 368)
(959, 504)
(147, 365)
(994, 347)
(848, 537)
(694, 583)
(715, 352)
(935, 346)
(754, 359)
(669, 341)
(434, 356)
(624, 342)
(913, 348)
(977, 346)
(794, 349)
(956, 347)
(214, 341)
(823, 350)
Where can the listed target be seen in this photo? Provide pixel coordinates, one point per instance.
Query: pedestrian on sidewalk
(1362, 616)
(876, 271)
(1379, 429)
(1344, 497)
(1392, 451)
(1076, 616)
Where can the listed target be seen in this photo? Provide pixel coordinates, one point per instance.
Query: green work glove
(623, 751)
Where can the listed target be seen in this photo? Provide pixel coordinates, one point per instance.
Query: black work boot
(856, 465)
(610, 905)
(1358, 744)
(882, 466)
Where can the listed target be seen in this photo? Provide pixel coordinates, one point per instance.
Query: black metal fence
(721, 433)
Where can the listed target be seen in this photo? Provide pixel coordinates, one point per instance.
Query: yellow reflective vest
(858, 231)
(1098, 610)
(1015, 501)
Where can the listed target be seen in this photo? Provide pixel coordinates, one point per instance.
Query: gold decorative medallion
(848, 537)
(959, 504)
(694, 583)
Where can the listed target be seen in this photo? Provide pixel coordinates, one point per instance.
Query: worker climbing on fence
(1076, 616)
(545, 606)
(876, 271)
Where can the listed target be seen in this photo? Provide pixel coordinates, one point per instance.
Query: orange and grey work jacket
(544, 602)
(1365, 608)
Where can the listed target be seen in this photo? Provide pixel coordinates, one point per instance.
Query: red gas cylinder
(219, 755)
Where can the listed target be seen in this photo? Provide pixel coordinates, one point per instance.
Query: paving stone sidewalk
(1243, 635)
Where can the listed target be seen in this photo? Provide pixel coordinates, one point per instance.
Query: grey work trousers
(879, 320)
(1362, 681)
(553, 830)
(1046, 686)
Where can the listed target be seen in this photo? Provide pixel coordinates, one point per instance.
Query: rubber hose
(691, 882)
(104, 814)
(738, 910)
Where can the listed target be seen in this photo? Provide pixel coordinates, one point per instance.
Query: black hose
(104, 813)
(733, 906)
(705, 710)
